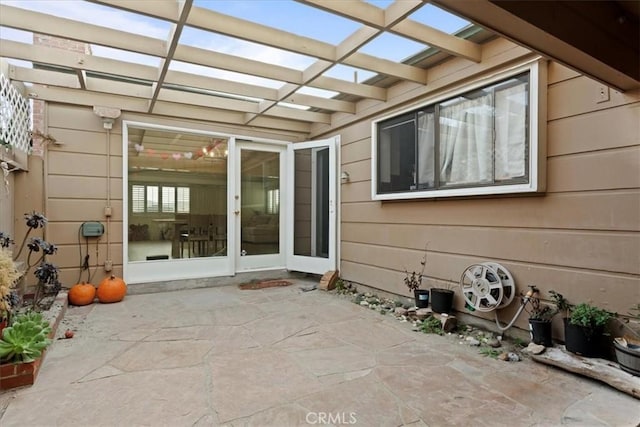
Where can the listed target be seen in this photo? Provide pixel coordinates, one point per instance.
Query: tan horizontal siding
(358, 171)
(581, 237)
(619, 211)
(82, 210)
(61, 163)
(600, 170)
(582, 95)
(356, 151)
(558, 73)
(78, 118)
(615, 292)
(599, 130)
(66, 233)
(606, 251)
(68, 255)
(83, 187)
(87, 142)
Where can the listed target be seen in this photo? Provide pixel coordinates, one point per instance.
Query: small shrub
(589, 316)
(431, 325)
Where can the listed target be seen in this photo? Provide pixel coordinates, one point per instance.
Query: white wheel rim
(481, 287)
(508, 284)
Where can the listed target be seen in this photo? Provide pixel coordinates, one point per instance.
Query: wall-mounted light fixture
(344, 177)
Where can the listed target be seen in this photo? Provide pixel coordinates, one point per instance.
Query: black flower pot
(540, 332)
(441, 300)
(582, 341)
(422, 298)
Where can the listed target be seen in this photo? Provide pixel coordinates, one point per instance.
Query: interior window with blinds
(183, 199)
(153, 198)
(168, 199)
(476, 139)
(137, 198)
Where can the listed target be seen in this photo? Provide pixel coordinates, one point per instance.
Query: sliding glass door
(177, 186)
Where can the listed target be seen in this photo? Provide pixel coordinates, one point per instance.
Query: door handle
(236, 212)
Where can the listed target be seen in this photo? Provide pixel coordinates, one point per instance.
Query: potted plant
(584, 330)
(627, 347)
(413, 281)
(540, 319)
(25, 339)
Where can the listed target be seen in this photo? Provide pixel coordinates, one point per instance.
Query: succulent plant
(25, 339)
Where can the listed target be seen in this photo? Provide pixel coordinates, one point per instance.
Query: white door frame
(312, 264)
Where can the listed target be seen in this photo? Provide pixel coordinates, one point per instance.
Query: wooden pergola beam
(172, 44)
(373, 16)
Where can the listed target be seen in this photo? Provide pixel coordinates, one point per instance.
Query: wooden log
(328, 280)
(599, 369)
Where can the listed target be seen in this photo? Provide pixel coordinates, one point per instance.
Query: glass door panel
(312, 226)
(260, 218)
(260, 202)
(311, 202)
(177, 185)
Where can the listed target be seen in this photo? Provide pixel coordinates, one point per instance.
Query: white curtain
(426, 141)
(466, 149)
(511, 104)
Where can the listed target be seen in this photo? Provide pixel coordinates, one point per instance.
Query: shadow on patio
(280, 357)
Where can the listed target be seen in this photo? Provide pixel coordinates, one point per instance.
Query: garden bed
(14, 375)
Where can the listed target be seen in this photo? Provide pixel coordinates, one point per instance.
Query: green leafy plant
(589, 317)
(25, 339)
(431, 325)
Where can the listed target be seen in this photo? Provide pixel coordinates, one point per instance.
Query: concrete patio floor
(283, 357)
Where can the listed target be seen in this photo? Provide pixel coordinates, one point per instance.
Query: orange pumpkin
(82, 294)
(111, 289)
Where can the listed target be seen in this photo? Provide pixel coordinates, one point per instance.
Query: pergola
(89, 80)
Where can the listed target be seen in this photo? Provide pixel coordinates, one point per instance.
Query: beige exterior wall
(74, 173)
(580, 238)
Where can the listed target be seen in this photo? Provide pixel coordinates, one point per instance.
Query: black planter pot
(582, 341)
(422, 298)
(441, 300)
(540, 332)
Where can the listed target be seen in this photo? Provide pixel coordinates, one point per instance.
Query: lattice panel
(15, 112)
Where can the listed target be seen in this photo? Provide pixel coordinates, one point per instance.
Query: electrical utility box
(92, 229)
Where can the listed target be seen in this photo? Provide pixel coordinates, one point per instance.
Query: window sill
(460, 192)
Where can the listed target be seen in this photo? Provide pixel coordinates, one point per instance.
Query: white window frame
(161, 199)
(537, 137)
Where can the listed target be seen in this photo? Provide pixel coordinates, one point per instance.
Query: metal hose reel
(487, 286)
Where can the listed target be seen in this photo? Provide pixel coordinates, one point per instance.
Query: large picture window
(478, 141)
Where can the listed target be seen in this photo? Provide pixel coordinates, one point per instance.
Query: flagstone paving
(282, 357)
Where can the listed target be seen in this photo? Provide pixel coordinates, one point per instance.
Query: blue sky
(286, 15)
